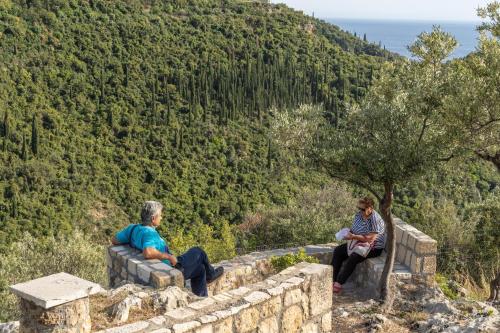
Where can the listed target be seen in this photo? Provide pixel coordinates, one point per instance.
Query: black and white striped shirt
(374, 224)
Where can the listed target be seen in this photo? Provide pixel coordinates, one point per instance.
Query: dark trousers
(196, 267)
(344, 265)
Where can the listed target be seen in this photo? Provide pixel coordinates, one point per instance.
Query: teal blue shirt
(142, 237)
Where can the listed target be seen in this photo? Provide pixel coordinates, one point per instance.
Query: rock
(458, 289)
(10, 327)
(442, 306)
(121, 311)
(170, 299)
(128, 288)
(380, 318)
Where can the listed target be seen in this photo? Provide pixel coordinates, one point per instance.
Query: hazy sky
(449, 10)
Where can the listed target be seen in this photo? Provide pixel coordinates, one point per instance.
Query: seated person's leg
(348, 267)
(199, 282)
(339, 255)
(194, 257)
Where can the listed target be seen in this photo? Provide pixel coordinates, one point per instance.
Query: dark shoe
(179, 267)
(217, 274)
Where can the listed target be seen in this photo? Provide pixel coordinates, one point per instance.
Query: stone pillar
(55, 304)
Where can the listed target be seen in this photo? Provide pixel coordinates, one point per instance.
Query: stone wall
(415, 258)
(298, 299)
(415, 250)
(126, 264)
(129, 265)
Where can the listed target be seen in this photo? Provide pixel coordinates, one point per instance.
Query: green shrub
(288, 260)
(219, 242)
(31, 258)
(312, 217)
(443, 284)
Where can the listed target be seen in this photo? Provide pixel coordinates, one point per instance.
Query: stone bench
(415, 258)
(126, 264)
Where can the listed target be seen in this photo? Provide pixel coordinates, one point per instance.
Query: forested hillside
(105, 104)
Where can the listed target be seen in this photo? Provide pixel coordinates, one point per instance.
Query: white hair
(149, 210)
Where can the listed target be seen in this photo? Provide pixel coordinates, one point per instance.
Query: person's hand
(349, 236)
(172, 259)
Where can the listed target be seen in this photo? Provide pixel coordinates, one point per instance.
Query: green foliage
(313, 217)
(31, 258)
(92, 80)
(219, 244)
(280, 263)
(443, 284)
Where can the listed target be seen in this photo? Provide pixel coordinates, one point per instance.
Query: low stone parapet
(415, 250)
(297, 299)
(126, 264)
(257, 266)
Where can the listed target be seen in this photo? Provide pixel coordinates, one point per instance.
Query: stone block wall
(415, 258)
(256, 266)
(298, 299)
(415, 250)
(127, 264)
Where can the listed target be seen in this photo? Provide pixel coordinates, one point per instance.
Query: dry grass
(476, 291)
(100, 307)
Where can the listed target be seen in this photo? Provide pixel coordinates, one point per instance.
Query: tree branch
(351, 180)
(486, 124)
(495, 159)
(424, 127)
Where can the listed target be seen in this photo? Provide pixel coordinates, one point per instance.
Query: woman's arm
(152, 253)
(370, 238)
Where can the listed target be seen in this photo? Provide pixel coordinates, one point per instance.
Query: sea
(397, 35)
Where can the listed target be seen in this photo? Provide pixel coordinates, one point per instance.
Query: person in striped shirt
(369, 227)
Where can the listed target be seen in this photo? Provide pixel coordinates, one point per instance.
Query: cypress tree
(24, 152)
(176, 138)
(153, 100)
(269, 156)
(181, 138)
(34, 136)
(6, 128)
(126, 69)
(168, 116)
(14, 212)
(102, 86)
(110, 117)
(364, 38)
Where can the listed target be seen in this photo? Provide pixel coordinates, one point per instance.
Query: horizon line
(402, 19)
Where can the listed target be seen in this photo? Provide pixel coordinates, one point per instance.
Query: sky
(434, 10)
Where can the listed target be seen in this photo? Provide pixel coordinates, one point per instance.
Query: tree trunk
(386, 293)
(495, 289)
(495, 159)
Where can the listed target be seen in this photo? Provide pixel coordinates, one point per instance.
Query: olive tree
(393, 136)
(473, 106)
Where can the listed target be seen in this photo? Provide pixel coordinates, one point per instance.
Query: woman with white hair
(193, 264)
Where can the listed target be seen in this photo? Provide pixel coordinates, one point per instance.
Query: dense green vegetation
(108, 103)
(105, 104)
